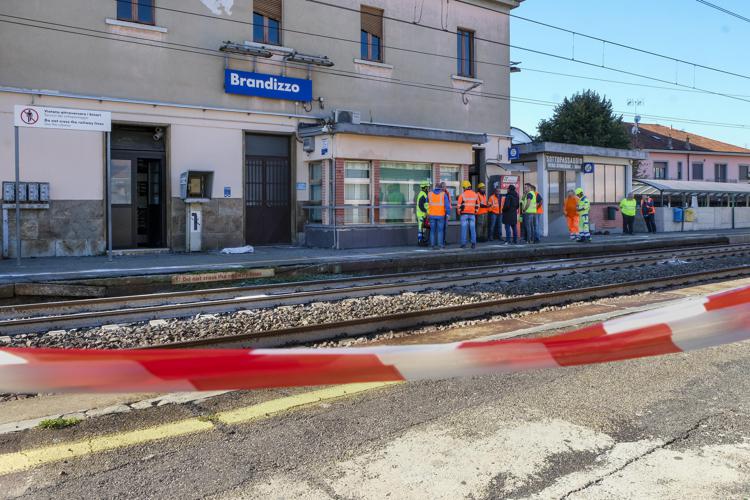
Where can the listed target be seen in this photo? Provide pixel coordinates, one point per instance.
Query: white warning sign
(63, 118)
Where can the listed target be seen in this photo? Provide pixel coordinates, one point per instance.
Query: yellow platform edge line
(28, 459)
(275, 406)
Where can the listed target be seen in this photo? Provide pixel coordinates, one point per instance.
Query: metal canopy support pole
(18, 204)
(682, 225)
(109, 196)
(734, 202)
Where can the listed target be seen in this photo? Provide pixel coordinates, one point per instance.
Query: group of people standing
(480, 215)
(576, 209)
(486, 216)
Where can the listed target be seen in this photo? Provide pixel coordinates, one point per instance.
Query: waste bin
(611, 213)
(677, 215)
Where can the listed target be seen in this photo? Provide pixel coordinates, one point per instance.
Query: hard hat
(480, 185)
(466, 184)
(424, 184)
(579, 191)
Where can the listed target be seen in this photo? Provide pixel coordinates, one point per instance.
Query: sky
(682, 29)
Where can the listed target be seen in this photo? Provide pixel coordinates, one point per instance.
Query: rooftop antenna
(634, 103)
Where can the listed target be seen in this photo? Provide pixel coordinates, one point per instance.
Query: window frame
(702, 171)
(663, 166)
(679, 170)
(315, 215)
(134, 5)
(267, 30)
(461, 60)
(723, 178)
(353, 215)
(365, 50)
(746, 177)
(407, 215)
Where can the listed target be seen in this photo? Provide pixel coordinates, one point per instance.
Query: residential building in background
(249, 122)
(680, 155)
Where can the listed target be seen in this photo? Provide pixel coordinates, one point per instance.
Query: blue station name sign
(269, 86)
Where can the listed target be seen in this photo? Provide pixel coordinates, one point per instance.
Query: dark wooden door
(138, 208)
(268, 203)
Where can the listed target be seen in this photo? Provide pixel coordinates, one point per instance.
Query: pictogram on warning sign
(29, 116)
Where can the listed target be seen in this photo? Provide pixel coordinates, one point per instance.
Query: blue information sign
(513, 153)
(270, 86)
(587, 168)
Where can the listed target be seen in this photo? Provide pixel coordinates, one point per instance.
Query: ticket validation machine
(195, 189)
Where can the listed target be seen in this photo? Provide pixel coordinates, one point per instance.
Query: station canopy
(689, 188)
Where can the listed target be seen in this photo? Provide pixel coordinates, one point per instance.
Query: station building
(264, 122)
(604, 174)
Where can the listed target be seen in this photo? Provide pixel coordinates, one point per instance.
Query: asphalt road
(669, 427)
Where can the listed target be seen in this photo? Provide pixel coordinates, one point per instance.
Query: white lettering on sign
(178, 279)
(270, 84)
(62, 118)
(562, 162)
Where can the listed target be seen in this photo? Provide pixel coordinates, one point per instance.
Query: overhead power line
(216, 53)
(619, 44)
(556, 56)
(725, 11)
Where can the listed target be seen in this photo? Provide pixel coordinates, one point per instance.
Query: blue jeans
(495, 227)
(468, 222)
(529, 224)
(538, 226)
(514, 229)
(437, 231)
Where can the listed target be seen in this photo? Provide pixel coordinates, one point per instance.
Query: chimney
(687, 144)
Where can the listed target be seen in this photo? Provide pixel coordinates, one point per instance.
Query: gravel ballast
(259, 320)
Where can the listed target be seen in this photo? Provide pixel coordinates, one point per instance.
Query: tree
(585, 119)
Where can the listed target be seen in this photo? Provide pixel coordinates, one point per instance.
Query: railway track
(446, 314)
(41, 317)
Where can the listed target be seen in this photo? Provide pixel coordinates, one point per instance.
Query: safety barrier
(691, 324)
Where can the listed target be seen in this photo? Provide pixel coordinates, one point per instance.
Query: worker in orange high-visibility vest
(482, 214)
(648, 210)
(494, 207)
(437, 209)
(468, 206)
(571, 214)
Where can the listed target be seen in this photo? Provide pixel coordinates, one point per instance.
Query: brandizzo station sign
(269, 86)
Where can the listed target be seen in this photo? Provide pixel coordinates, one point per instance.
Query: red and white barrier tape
(691, 324)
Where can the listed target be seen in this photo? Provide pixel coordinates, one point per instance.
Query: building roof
(652, 136)
(575, 149)
(385, 130)
(661, 186)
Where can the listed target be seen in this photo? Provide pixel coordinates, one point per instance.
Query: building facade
(604, 174)
(251, 122)
(682, 156)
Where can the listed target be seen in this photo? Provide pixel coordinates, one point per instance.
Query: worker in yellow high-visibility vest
(628, 208)
(584, 207)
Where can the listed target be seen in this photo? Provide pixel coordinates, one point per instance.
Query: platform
(330, 260)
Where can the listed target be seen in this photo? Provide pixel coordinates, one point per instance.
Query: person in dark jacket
(510, 215)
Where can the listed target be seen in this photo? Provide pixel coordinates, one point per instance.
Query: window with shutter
(371, 39)
(267, 21)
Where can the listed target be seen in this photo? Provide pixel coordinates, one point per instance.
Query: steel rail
(93, 318)
(25, 318)
(446, 314)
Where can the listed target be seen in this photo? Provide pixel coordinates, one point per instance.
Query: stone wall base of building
(222, 224)
(68, 228)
